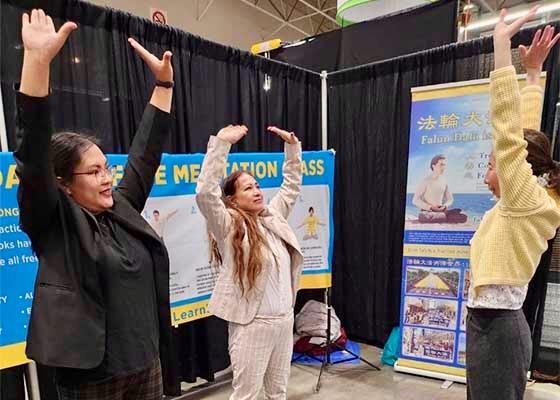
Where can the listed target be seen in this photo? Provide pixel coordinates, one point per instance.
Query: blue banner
(450, 144)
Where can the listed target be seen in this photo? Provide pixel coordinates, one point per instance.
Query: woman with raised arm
(260, 264)
(100, 311)
(506, 248)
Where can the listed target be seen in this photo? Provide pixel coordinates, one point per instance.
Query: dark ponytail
(538, 155)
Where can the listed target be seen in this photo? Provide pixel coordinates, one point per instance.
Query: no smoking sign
(158, 16)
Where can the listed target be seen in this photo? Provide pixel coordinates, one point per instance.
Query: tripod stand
(326, 359)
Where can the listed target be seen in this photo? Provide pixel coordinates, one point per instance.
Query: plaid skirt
(143, 385)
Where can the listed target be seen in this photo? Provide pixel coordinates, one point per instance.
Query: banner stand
(324, 110)
(31, 382)
(430, 374)
(446, 199)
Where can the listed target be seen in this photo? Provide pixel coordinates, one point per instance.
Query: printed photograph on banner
(463, 325)
(430, 312)
(466, 283)
(436, 282)
(450, 144)
(177, 220)
(310, 221)
(428, 344)
(462, 349)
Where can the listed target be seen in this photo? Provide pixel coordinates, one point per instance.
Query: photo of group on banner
(101, 309)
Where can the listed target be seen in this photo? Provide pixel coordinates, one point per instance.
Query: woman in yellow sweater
(512, 236)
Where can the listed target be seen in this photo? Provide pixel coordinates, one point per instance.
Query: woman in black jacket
(101, 306)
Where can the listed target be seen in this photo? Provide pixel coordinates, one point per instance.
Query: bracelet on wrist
(165, 84)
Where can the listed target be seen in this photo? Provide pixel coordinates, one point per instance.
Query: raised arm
(533, 59)
(208, 191)
(37, 191)
(145, 152)
(531, 106)
(289, 191)
(517, 184)
(171, 214)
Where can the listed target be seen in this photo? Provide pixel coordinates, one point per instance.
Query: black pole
(326, 361)
(329, 311)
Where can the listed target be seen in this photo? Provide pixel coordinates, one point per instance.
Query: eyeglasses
(100, 173)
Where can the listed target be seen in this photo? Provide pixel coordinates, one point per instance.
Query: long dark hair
(66, 152)
(244, 223)
(538, 149)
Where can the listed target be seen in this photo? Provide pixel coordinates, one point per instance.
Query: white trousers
(261, 353)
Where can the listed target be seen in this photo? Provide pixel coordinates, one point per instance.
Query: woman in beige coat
(260, 264)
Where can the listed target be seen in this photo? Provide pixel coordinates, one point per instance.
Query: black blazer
(67, 327)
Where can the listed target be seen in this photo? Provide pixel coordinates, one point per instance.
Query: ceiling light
(481, 24)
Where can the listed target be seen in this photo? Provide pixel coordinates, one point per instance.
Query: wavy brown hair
(539, 156)
(244, 223)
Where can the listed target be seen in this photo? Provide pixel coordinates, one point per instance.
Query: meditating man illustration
(434, 198)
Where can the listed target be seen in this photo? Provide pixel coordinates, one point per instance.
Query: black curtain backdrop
(379, 39)
(548, 357)
(369, 118)
(534, 309)
(11, 384)
(100, 87)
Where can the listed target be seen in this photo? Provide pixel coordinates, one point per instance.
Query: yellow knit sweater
(513, 235)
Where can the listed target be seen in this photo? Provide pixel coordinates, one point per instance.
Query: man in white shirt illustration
(158, 222)
(434, 198)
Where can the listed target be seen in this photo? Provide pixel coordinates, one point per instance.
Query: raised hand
(41, 43)
(162, 69)
(288, 137)
(534, 56)
(40, 39)
(504, 31)
(232, 133)
(503, 34)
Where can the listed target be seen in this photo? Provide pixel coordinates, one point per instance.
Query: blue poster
(446, 198)
(18, 267)
(450, 144)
